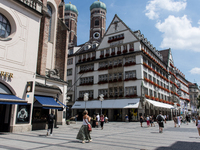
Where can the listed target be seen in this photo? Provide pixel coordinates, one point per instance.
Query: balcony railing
(34, 4)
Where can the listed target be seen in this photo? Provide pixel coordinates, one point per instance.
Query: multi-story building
(194, 94)
(34, 51)
(19, 33)
(134, 77)
(183, 92)
(51, 74)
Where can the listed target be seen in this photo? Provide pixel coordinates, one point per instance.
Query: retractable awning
(159, 104)
(11, 99)
(47, 103)
(96, 104)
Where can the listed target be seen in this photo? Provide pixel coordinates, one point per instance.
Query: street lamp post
(86, 98)
(67, 108)
(101, 99)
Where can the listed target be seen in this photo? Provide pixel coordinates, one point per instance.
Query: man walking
(50, 119)
(160, 118)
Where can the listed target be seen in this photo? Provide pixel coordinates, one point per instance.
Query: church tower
(71, 16)
(97, 20)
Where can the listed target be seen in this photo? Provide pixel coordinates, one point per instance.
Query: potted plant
(68, 122)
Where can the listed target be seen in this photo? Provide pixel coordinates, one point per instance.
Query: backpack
(159, 118)
(51, 117)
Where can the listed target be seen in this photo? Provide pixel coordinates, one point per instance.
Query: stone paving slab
(114, 136)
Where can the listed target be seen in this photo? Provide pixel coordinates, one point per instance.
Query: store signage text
(6, 74)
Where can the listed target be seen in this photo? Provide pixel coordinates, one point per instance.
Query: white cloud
(154, 7)
(179, 34)
(195, 71)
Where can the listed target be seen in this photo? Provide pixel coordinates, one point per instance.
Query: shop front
(115, 110)
(8, 103)
(41, 109)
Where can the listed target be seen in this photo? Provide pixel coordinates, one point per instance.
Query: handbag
(89, 126)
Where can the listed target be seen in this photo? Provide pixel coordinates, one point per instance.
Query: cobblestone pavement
(114, 136)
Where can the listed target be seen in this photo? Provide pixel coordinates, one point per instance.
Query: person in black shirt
(50, 119)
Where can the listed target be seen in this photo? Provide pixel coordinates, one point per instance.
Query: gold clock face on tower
(96, 35)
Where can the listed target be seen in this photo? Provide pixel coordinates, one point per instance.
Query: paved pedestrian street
(114, 136)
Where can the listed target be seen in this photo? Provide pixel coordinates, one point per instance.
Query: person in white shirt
(98, 119)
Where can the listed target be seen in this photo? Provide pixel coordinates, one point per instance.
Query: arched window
(50, 21)
(5, 28)
(96, 22)
(4, 89)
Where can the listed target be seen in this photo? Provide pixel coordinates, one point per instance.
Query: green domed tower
(71, 16)
(98, 20)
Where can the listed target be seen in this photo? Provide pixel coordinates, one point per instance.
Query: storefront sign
(6, 74)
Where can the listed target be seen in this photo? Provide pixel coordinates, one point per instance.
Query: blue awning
(11, 99)
(48, 102)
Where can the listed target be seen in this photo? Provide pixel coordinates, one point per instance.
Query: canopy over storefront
(113, 104)
(159, 104)
(11, 99)
(47, 103)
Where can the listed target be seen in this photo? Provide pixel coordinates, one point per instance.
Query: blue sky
(171, 24)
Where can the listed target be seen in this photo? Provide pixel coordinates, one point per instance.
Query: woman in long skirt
(84, 134)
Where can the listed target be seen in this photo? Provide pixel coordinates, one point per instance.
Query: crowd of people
(98, 120)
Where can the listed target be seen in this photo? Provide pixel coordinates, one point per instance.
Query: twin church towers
(97, 21)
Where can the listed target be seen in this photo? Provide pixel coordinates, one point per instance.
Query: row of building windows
(112, 92)
(155, 94)
(97, 12)
(110, 77)
(154, 67)
(87, 80)
(116, 37)
(87, 67)
(89, 55)
(148, 76)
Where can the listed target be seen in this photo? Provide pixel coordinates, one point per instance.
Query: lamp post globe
(86, 95)
(101, 99)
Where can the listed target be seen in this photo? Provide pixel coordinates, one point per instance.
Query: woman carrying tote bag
(84, 133)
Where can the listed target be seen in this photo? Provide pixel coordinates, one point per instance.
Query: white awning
(118, 103)
(159, 104)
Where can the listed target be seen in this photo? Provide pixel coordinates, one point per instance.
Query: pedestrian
(97, 120)
(76, 117)
(179, 121)
(165, 118)
(198, 124)
(84, 133)
(141, 120)
(102, 120)
(126, 118)
(160, 118)
(187, 118)
(50, 119)
(148, 121)
(94, 119)
(106, 119)
(175, 121)
(152, 120)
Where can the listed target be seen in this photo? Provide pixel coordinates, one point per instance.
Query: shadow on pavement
(182, 146)
(43, 135)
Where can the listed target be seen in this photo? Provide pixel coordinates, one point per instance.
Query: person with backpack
(160, 118)
(50, 119)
